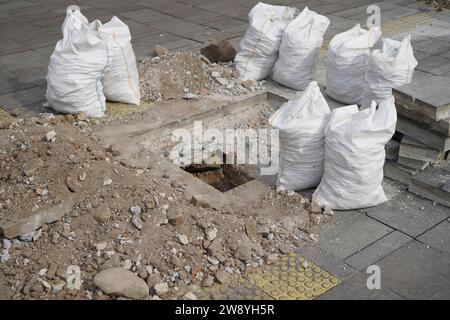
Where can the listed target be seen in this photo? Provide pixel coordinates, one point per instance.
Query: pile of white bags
(84, 59)
(260, 45)
(388, 68)
(121, 81)
(347, 60)
(354, 156)
(301, 124)
(299, 50)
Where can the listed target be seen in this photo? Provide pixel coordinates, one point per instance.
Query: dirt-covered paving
(139, 219)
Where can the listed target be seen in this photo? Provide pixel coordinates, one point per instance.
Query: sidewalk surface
(408, 238)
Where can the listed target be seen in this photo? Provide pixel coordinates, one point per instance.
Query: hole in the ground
(223, 177)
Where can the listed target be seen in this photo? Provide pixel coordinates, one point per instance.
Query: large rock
(220, 50)
(38, 219)
(121, 282)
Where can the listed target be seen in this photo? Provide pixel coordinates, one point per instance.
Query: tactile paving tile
(288, 279)
(238, 288)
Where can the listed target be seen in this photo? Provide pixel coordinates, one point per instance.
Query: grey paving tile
(434, 64)
(23, 97)
(352, 236)
(428, 88)
(355, 288)
(438, 237)
(145, 15)
(409, 214)
(433, 46)
(377, 250)
(9, 46)
(23, 61)
(224, 23)
(326, 261)
(415, 271)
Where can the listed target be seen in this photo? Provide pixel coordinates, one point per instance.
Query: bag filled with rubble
(347, 60)
(299, 50)
(390, 67)
(301, 123)
(77, 66)
(354, 156)
(121, 80)
(260, 45)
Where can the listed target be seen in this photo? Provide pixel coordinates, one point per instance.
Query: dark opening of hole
(223, 177)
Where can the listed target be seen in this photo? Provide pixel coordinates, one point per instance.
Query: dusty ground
(120, 218)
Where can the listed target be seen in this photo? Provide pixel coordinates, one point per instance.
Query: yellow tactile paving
(289, 278)
(292, 277)
(238, 288)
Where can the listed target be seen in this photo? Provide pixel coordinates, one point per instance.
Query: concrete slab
(415, 271)
(438, 237)
(413, 163)
(397, 172)
(422, 134)
(442, 127)
(349, 238)
(426, 94)
(413, 149)
(377, 250)
(435, 65)
(409, 214)
(429, 183)
(355, 288)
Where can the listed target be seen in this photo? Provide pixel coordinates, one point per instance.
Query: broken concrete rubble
(37, 220)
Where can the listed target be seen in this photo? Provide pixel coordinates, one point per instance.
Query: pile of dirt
(172, 75)
(139, 220)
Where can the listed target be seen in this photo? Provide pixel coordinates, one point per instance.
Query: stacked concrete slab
(417, 157)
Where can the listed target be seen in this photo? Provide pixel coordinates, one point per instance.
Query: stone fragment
(121, 282)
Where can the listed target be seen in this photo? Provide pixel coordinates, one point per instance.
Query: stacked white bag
(121, 81)
(301, 124)
(388, 68)
(91, 61)
(354, 156)
(299, 50)
(260, 45)
(77, 66)
(347, 60)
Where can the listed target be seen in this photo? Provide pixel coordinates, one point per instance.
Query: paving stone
(415, 271)
(145, 15)
(355, 288)
(426, 94)
(352, 236)
(405, 214)
(433, 46)
(22, 61)
(329, 263)
(377, 250)
(435, 64)
(438, 237)
(430, 182)
(15, 99)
